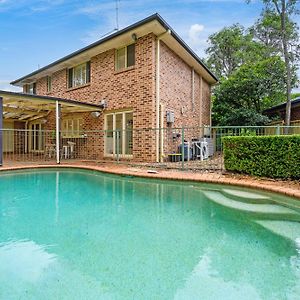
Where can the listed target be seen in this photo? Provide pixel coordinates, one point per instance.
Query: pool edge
(176, 176)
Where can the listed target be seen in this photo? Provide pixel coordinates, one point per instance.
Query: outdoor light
(134, 37)
(95, 114)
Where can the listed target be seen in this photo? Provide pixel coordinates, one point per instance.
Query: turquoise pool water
(72, 234)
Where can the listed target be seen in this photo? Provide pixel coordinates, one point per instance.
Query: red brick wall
(176, 96)
(134, 89)
(129, 89)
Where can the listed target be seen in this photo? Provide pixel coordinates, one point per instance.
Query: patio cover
(28, 107)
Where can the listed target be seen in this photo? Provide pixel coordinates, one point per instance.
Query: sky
(34, 33)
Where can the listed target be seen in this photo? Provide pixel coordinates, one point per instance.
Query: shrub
(268, 156)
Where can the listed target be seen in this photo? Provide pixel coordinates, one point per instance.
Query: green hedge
(268, 156)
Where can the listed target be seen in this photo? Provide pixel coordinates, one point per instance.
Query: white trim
(157, 91)
(41, 141)
(121, 155)
(57, 123)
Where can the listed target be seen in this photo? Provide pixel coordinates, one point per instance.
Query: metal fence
(188, 148)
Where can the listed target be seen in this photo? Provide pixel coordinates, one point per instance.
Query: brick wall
(132, 89)
(176, 96)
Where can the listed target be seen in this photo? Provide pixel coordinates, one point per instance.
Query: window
(118, 137)
(72, 127)
(49, 84)
(36, 137)
(125, 57)
(79, 75)
(30, 88)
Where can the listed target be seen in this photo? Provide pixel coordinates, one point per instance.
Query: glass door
(36, 137)
(118, 136)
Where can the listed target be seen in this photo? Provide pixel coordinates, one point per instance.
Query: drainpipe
(159, 124)
(1, 129)
(201, 103)
(57, 119)
(193, 89)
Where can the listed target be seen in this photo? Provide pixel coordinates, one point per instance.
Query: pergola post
(1, 131)
(57, 119)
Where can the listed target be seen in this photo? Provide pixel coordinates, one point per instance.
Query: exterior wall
(133, 88)
(176, 95)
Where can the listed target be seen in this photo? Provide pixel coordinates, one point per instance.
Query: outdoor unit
(170, 117)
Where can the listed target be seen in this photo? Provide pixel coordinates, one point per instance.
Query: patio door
(118, 136)
(36, 137)
(8, 137)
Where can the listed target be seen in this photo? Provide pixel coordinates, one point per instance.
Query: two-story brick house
(135, 79)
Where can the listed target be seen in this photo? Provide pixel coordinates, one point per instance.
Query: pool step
(247, 197)
(268, 209)
(286, 229)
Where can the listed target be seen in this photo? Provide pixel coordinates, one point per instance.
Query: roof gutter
(153, 17)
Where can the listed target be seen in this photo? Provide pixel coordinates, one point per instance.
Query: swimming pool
(74, 234)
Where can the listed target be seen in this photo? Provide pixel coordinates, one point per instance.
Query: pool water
(73, 234)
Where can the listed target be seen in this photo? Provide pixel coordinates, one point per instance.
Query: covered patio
(32, 124)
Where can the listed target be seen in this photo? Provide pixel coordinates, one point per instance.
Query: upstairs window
(79, 75)
(49, 84)
(30, 88)
(125, 57)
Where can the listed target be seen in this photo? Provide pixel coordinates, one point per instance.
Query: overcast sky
(36, 32)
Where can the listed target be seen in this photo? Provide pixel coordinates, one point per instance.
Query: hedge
(267, 156)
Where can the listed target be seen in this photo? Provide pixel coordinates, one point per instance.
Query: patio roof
(27, 107)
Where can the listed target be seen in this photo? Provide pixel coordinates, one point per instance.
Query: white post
(193, 89)
(57, 118)
(157, 96)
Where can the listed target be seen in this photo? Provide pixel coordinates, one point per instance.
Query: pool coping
(277, 186)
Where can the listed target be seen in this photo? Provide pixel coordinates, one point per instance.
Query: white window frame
(41, 140)
(83, 75)
(126, 63)
(31, 88)
(72, 132)
(121, 155)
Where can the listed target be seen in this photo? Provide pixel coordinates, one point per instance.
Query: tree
(240, 99)
(229, 49)
(283, 10)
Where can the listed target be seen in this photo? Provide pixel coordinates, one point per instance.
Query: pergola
(28, 107)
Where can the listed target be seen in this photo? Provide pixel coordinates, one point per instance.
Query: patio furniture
(72, 148)
(68, 150)
(50, 150)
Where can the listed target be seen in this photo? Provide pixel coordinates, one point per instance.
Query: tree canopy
(252, 68)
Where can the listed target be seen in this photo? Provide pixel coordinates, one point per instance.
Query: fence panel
(187, 148)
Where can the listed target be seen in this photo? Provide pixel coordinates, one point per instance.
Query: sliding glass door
(118, 137)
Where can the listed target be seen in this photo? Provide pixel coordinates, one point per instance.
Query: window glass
(125, 57)
(121, 55)
(130, 55)
(109, 142)
(72, 127)
(31, 88)
(128, 133)
(79, 75)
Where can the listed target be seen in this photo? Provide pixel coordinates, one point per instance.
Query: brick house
(134, 83)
